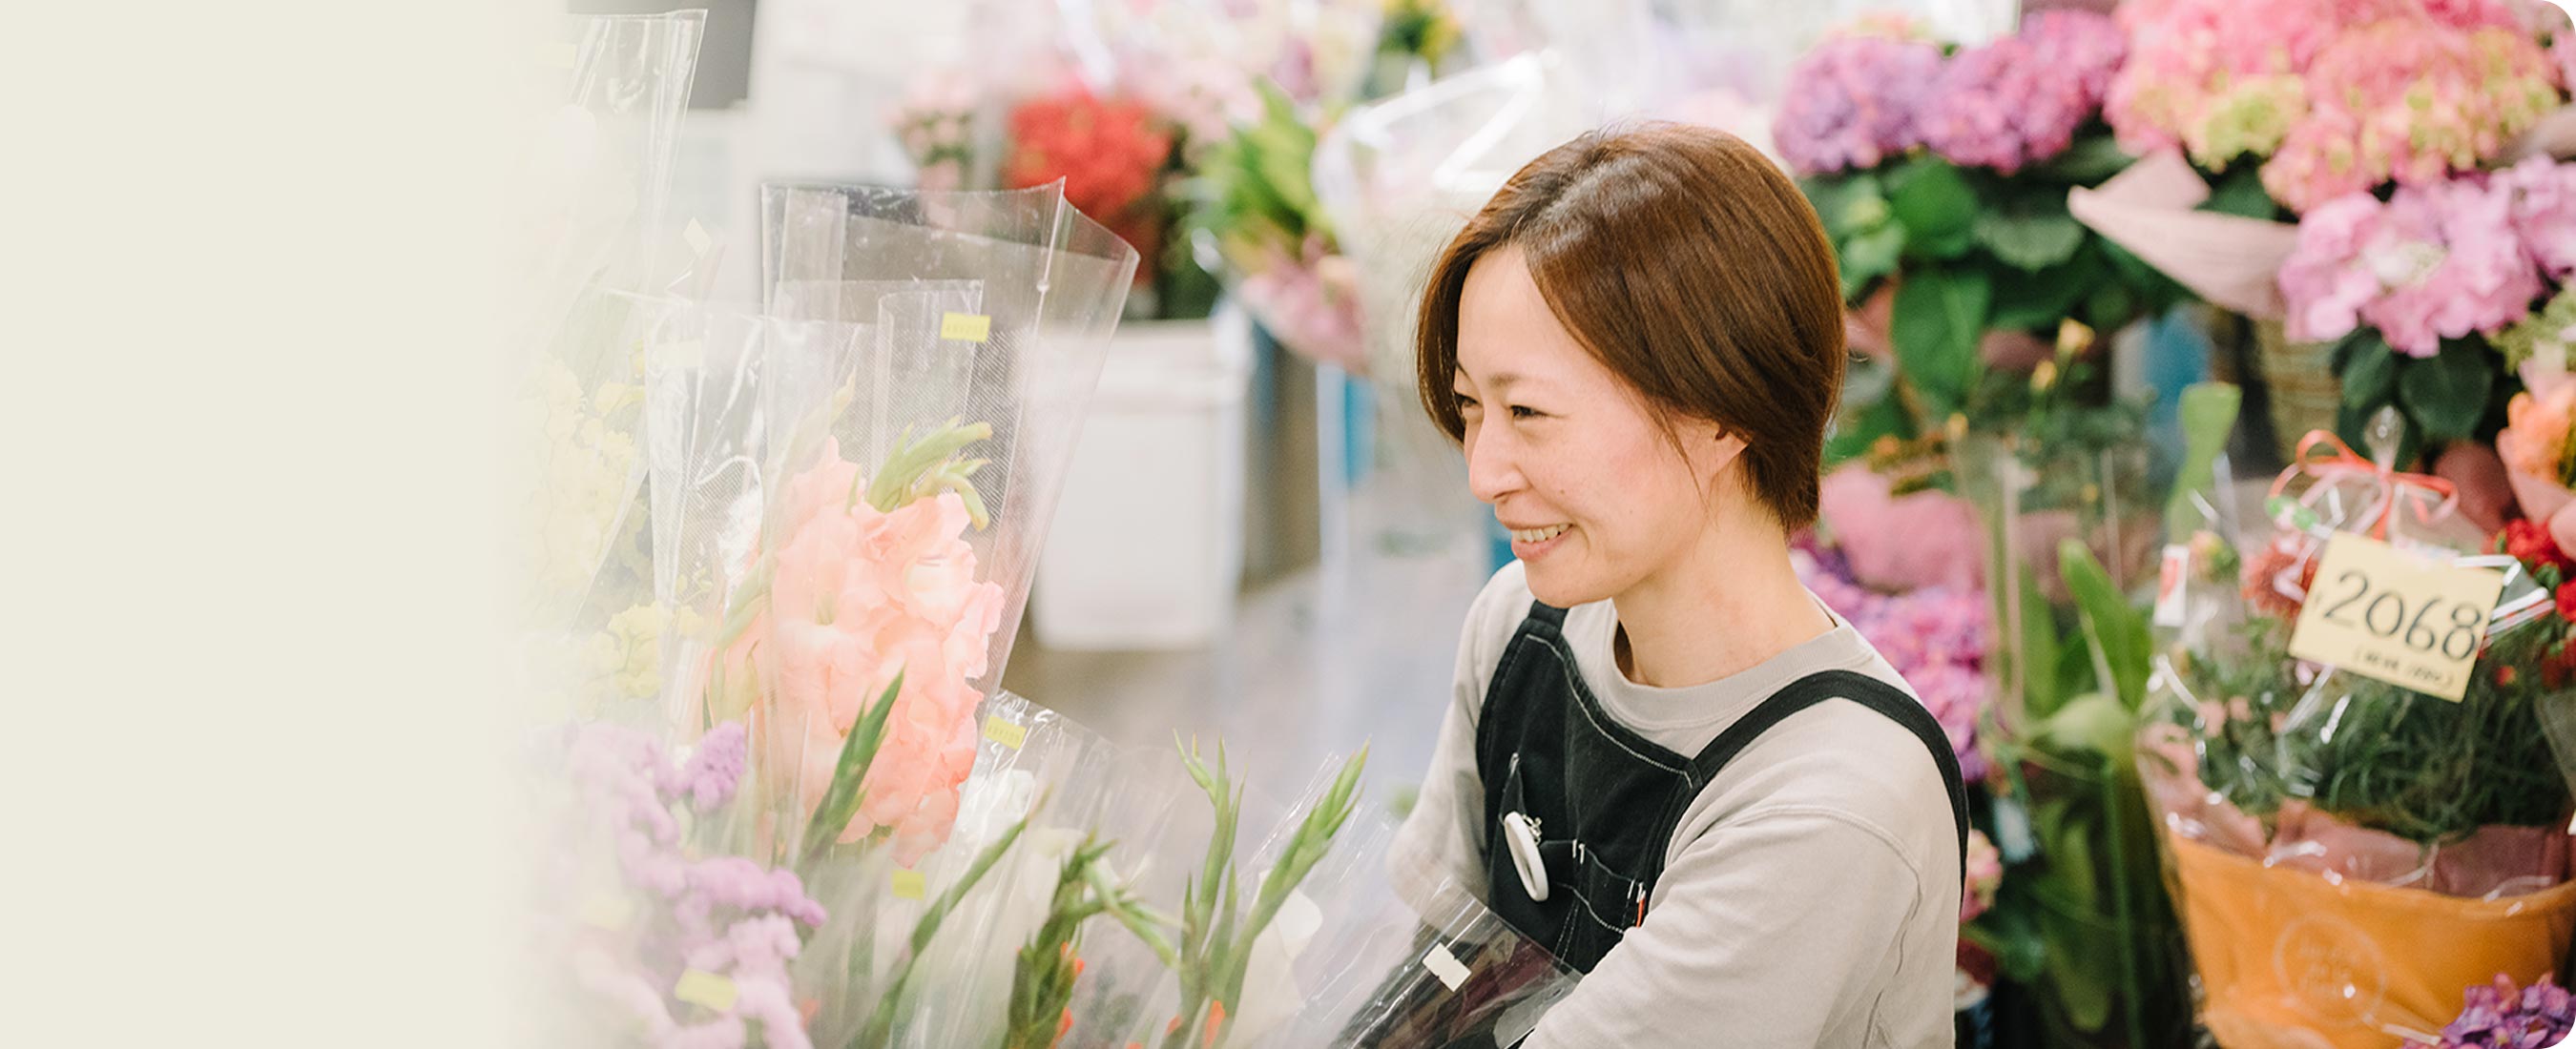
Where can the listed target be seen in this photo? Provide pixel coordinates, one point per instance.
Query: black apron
(1603, 802)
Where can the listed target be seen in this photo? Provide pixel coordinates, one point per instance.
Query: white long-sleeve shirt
(1810, 895)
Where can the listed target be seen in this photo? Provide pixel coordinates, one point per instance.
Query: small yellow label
(700, 987)
(910, 885)
(1006, 733)
(2386, 614)
(558, 56)
(606, 911)
(965, 327)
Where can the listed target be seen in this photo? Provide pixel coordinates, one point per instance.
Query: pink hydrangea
(2544, 211)
(1936, 637)
(1850, 102)
(2436, 261)
(857, 597)
(2350, 93)
(2409, 101)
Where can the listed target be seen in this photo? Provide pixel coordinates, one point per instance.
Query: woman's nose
(1492, 472)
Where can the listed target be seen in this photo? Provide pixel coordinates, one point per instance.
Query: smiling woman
(1644, 765)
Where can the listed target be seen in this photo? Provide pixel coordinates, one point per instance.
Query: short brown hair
(1692, 268)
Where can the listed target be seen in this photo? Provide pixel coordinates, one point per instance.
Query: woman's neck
(1732, 602)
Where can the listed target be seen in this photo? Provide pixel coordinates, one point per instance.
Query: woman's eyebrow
(1499, 381)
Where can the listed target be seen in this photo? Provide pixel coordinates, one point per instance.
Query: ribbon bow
(2432, 498)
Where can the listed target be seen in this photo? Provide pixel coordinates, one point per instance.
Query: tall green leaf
(2113, 627)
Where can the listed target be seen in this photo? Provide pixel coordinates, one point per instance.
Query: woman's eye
(1522, 411)
(1465, 403)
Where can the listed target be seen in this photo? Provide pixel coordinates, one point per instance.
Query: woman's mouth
(1531, 542)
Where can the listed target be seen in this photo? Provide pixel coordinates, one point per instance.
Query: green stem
(880, 1026)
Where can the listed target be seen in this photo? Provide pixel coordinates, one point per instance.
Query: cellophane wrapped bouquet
(597, 166)
(2348, 853)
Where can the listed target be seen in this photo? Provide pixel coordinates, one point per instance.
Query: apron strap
(1867, 691)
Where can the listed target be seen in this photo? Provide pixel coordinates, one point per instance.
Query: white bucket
(1146, 551)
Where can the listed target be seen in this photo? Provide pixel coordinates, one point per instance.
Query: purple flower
(1850, 103)
(2498, 1016)
(713, 771)
(2020, 99)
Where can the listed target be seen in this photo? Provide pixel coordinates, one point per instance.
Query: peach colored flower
(858, 596)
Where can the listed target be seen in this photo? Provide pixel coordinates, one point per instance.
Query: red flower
(2567, 601)
(2504, 676)
(2529, 543)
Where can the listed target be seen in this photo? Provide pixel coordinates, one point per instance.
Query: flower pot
(2291, 960)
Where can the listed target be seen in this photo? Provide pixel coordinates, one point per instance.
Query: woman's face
(1596, 496)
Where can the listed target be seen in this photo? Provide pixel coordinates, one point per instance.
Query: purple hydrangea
(1850, 103)
(2500, 1016)
(2022, 98)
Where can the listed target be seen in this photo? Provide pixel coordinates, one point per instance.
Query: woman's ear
(1711, 448)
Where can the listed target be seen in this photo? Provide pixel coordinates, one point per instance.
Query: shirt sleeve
(1439, 850)
(1764, 929)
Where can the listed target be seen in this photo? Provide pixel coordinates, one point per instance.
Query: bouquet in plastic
(597, 167)
(2349, 752)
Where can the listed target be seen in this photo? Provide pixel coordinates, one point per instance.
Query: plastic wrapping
(2348, 853)
(595, 173)
(1037, 281)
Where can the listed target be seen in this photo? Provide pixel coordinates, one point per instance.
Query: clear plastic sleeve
(2348, 853)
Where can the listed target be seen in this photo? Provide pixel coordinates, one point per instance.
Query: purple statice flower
(713, 771)
(2500, 1016)
(2021, 99)
(1850, 103)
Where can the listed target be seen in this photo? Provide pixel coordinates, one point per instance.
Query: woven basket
(2299, 377)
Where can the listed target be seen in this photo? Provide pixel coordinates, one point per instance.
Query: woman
(1664, 759)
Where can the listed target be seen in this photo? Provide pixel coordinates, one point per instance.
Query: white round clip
(1520, 837)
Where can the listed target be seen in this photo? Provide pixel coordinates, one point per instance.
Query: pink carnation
(859, 596)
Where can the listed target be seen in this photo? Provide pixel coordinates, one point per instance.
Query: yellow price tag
(700, 987)
(965, 327)
(1006, 733)
(607, 911)
(910, 885)
(2400, 618)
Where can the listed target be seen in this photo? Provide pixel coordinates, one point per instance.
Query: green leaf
(2090, 160)
(1937, 207)
(2447, 393)
(1848, 205)
(1870, 256)
(2240, 192)
(2033, 240)
(2043, 687)
(2117, 632)
(1938, 318)
(841, 798)
(2369, 370)
(2037, 301)
(1861, 426)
